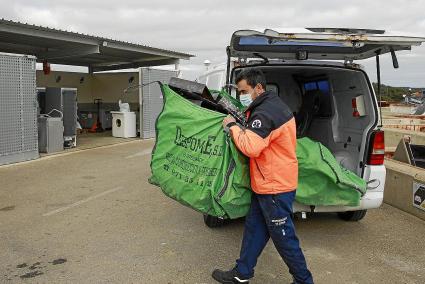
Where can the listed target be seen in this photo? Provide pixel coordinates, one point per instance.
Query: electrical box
(358, 105)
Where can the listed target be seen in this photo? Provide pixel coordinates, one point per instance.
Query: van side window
(214, 81)
(323, 86)
(202, 80)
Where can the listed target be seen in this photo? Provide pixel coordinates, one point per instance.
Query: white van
(330, 95)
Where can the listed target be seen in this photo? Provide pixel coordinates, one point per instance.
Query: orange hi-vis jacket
(270, 142)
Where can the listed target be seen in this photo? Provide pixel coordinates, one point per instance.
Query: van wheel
(212, 221)
(352, 216)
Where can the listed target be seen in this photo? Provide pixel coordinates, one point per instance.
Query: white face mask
(245, 99)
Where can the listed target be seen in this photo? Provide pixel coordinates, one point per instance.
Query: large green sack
(322, 181)
(197, 164)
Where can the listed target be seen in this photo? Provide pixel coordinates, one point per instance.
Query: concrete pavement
(92, 217)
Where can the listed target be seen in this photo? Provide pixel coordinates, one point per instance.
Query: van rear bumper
(371, 200)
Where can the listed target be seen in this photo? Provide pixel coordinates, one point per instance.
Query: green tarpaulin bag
(196, 163)
(322, 181)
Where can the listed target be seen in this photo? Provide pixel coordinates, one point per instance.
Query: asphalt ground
(92, 217)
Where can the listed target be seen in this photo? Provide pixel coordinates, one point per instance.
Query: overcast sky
(203, 28)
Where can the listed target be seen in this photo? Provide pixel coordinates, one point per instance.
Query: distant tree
(393, 94)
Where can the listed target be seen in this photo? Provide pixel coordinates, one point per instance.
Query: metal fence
(18, 109)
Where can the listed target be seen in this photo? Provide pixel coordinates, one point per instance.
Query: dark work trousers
(270, 216)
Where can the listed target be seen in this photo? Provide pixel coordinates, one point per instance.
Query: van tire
(352, 216)
(212, 221)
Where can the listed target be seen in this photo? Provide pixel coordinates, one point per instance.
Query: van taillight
(376, 148)
(354, 106)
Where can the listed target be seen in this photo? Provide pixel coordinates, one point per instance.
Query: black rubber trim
(229, 171)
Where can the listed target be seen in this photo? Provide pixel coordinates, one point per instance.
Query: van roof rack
(346, 31)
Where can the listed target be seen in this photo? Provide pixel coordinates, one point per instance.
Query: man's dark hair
(252, 77)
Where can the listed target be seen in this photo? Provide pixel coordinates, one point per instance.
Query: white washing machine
(123, 124)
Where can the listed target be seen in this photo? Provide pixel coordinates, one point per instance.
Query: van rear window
(323, 86)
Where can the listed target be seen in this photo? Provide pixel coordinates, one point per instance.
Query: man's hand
(228, 119)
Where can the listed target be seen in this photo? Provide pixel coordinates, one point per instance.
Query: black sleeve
(261, 124)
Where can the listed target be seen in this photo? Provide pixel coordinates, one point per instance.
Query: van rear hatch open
(350, 137)
(318, 43)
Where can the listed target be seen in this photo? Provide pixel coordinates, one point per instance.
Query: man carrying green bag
(270, 142)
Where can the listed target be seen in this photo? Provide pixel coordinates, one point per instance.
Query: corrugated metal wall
(18, 109)
(152, 98)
